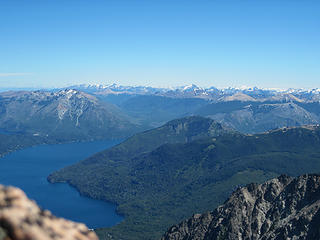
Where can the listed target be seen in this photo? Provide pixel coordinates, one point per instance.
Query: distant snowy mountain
(117, 89)
(103, 111)
(246, 109)
(211, 93)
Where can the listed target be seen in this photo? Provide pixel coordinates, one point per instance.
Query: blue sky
(222, 43)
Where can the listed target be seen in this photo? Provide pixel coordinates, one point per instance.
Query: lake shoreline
(123, 215)
(55, 142)
(29, 168)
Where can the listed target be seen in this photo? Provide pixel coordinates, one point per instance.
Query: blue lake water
(28, 169)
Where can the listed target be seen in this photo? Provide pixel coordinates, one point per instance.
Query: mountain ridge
(65, 115)
(211, 93)
(281, 208)
(155, 106)
(250, 110)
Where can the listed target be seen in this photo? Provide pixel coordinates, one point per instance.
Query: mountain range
(96, 111)
(201, 145)
(248, 110)
(211, 93)
(164, 175)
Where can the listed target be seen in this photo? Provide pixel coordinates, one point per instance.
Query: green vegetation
(13, 142)
(157, 181)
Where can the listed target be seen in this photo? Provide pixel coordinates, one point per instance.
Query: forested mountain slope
(161, 183)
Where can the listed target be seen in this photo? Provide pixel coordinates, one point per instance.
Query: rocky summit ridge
(282, 208)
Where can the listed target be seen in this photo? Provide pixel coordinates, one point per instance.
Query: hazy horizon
(28, 88)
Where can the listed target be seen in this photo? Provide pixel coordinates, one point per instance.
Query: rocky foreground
(22, 219)
(282, 208)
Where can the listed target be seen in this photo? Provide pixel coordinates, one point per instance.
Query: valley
(159, 120)
(186, 150)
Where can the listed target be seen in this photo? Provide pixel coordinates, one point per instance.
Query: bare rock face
(282, 208)
(22, 219)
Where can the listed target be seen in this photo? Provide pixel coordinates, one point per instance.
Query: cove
(28, 169)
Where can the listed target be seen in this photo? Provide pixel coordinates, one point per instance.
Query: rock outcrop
(22, 219)
(282, 208)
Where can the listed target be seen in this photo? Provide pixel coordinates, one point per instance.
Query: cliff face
(282, 208)
(22, 219)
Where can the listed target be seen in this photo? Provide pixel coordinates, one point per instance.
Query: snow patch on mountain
(243, 93)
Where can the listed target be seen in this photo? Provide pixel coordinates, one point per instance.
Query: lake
(28, 169)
